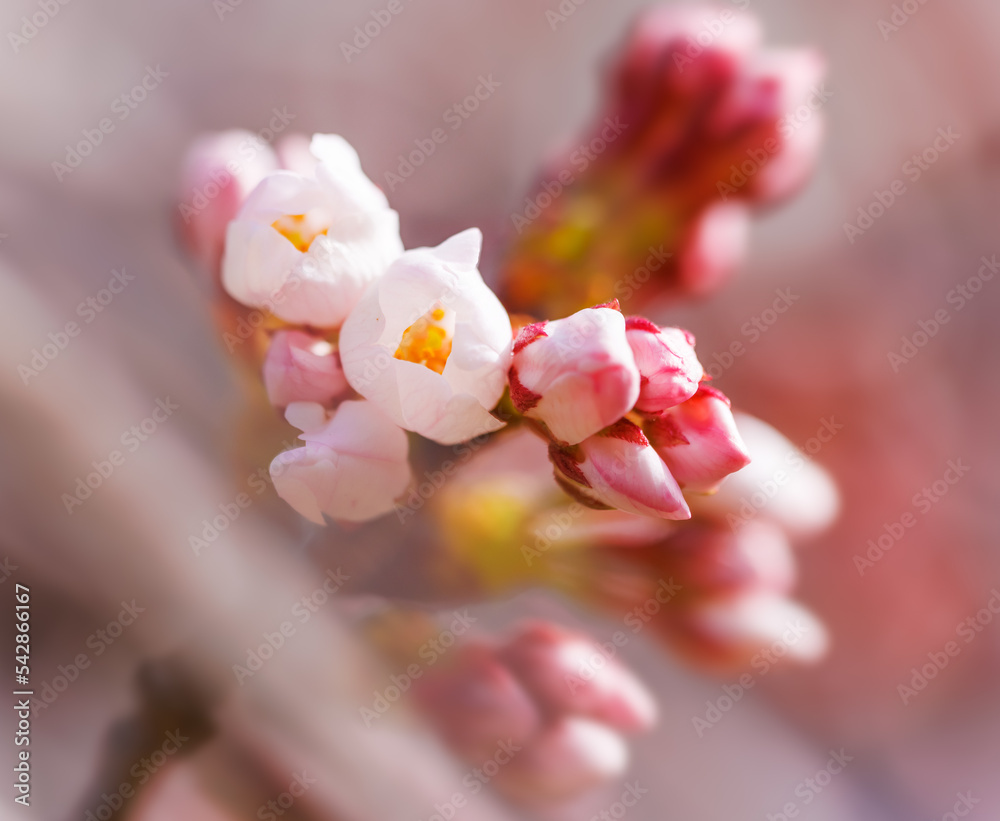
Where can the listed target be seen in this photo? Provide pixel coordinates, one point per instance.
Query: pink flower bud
(729, 632)
(302, 368)
(798, 76)
(352, 468)
(668, 368)
(568, 673)
(566, 759)
(473, 700)
(618, 468)
(576, 375)
(699, 442)
(708, 561)
(217, 175)
(802, 507)
(714, 247)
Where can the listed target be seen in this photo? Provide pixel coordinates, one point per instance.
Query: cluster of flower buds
(718, 597)
(698, 124)
(621, 402)
(365, 341)
(552, 695)
(717, 589)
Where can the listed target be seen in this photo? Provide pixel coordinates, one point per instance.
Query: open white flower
(305, 248)
(429, 343)
(353, 466)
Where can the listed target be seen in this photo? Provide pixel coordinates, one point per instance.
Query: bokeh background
(827, 357)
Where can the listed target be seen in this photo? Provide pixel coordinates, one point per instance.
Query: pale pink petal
(566, 759)
(352, 469)
(300, 367)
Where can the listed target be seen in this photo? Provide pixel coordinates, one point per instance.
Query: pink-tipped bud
(698, 441)
(618, 468)
(799, 76)
(473, 700)
(714, 248)
(669, 370)
(300, 367)
(576, 375)
(217, 174)
(729, 632)
(709, 561)
(564, 760)
(569, 674)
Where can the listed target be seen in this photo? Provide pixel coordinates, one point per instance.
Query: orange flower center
(427, 341)
(299, 229)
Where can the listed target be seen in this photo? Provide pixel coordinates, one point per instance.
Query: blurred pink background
(826, 357)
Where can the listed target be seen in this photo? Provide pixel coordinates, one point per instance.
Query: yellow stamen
(298, 229)
(427, 341)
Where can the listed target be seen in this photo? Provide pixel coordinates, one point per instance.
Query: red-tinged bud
(698, 441)
(620, 469)
(568, 673)
(709, 561)
(473, 699)
(714, 247)
(576, 375)
(669, 370)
